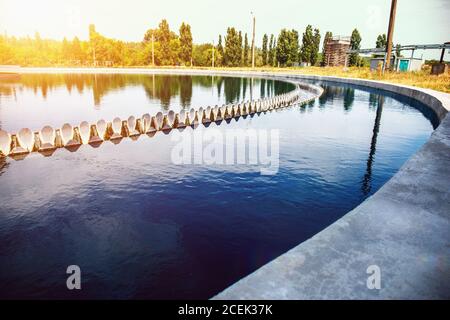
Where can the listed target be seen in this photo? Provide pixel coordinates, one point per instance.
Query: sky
(418, 21)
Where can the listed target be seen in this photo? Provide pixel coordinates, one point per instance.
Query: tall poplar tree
(264, 49)
(241, 51)
(315, 47)
(270, 54)
(355, 44)
(220, 50)
(307, 44)
(246, 50)
(186, 43)
(232, 52)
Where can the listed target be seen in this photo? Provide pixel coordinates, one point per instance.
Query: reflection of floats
(47, 140)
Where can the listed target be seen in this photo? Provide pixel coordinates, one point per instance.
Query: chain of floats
(48, 139)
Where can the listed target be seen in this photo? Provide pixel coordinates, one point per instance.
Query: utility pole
(387, 64)
(253, 41)
(213, 55)
(153, 50)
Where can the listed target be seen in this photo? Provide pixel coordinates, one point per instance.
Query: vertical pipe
(387, 65)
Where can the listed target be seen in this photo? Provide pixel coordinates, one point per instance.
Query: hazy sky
(418, 21)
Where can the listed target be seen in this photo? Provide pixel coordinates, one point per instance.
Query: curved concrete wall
(403, 229)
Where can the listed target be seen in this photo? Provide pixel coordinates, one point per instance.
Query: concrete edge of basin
(403, 229)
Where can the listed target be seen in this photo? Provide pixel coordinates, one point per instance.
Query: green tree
(328, 36)
(164, 37)
(76, 50)
(355, 44)
(287, 47)
(294, 47)
(220, 52)
(274, 51)
(307, 45)
(6, 54)
(173, 58)
(167, 45)
(397, 50)
(232, 54)
(241, 51)
(270, 53)
(283, 47)
(264, 49)
(66, 52)
(315, 47)
(185, 43)
(148, 36)
(202, 55)
(95, 43)
(381, 41)
(246, 50)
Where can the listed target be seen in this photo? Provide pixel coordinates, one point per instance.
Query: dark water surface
(141, 226)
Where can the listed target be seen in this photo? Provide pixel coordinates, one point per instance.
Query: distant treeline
(167, 48)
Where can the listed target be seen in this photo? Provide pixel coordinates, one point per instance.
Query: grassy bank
(421, 79)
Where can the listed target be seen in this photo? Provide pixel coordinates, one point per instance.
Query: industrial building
(336, 51)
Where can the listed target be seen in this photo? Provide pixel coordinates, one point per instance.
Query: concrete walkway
(403, 229)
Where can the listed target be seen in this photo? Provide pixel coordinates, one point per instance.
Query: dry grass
(421, 79)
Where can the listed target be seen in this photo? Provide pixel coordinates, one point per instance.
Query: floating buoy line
(48, 139)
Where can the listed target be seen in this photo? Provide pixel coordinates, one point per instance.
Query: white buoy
(146, 122)
(229, 110)
(217, 113)
(237, 110)
(181, 119)
(26, 139)
(207, 116)
(116, 126)
(191, 116)
(85, 132)
(170, 118)
(47, 136)
(5, 143)
(131, 123)
(101, 129)
(243, 109)
(159, 120)
(67, 135)
(200, 115)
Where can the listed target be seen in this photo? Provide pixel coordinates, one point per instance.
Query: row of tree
(285, 50)
(162, 46)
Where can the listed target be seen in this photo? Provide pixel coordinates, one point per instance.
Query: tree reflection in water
(161, 87)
